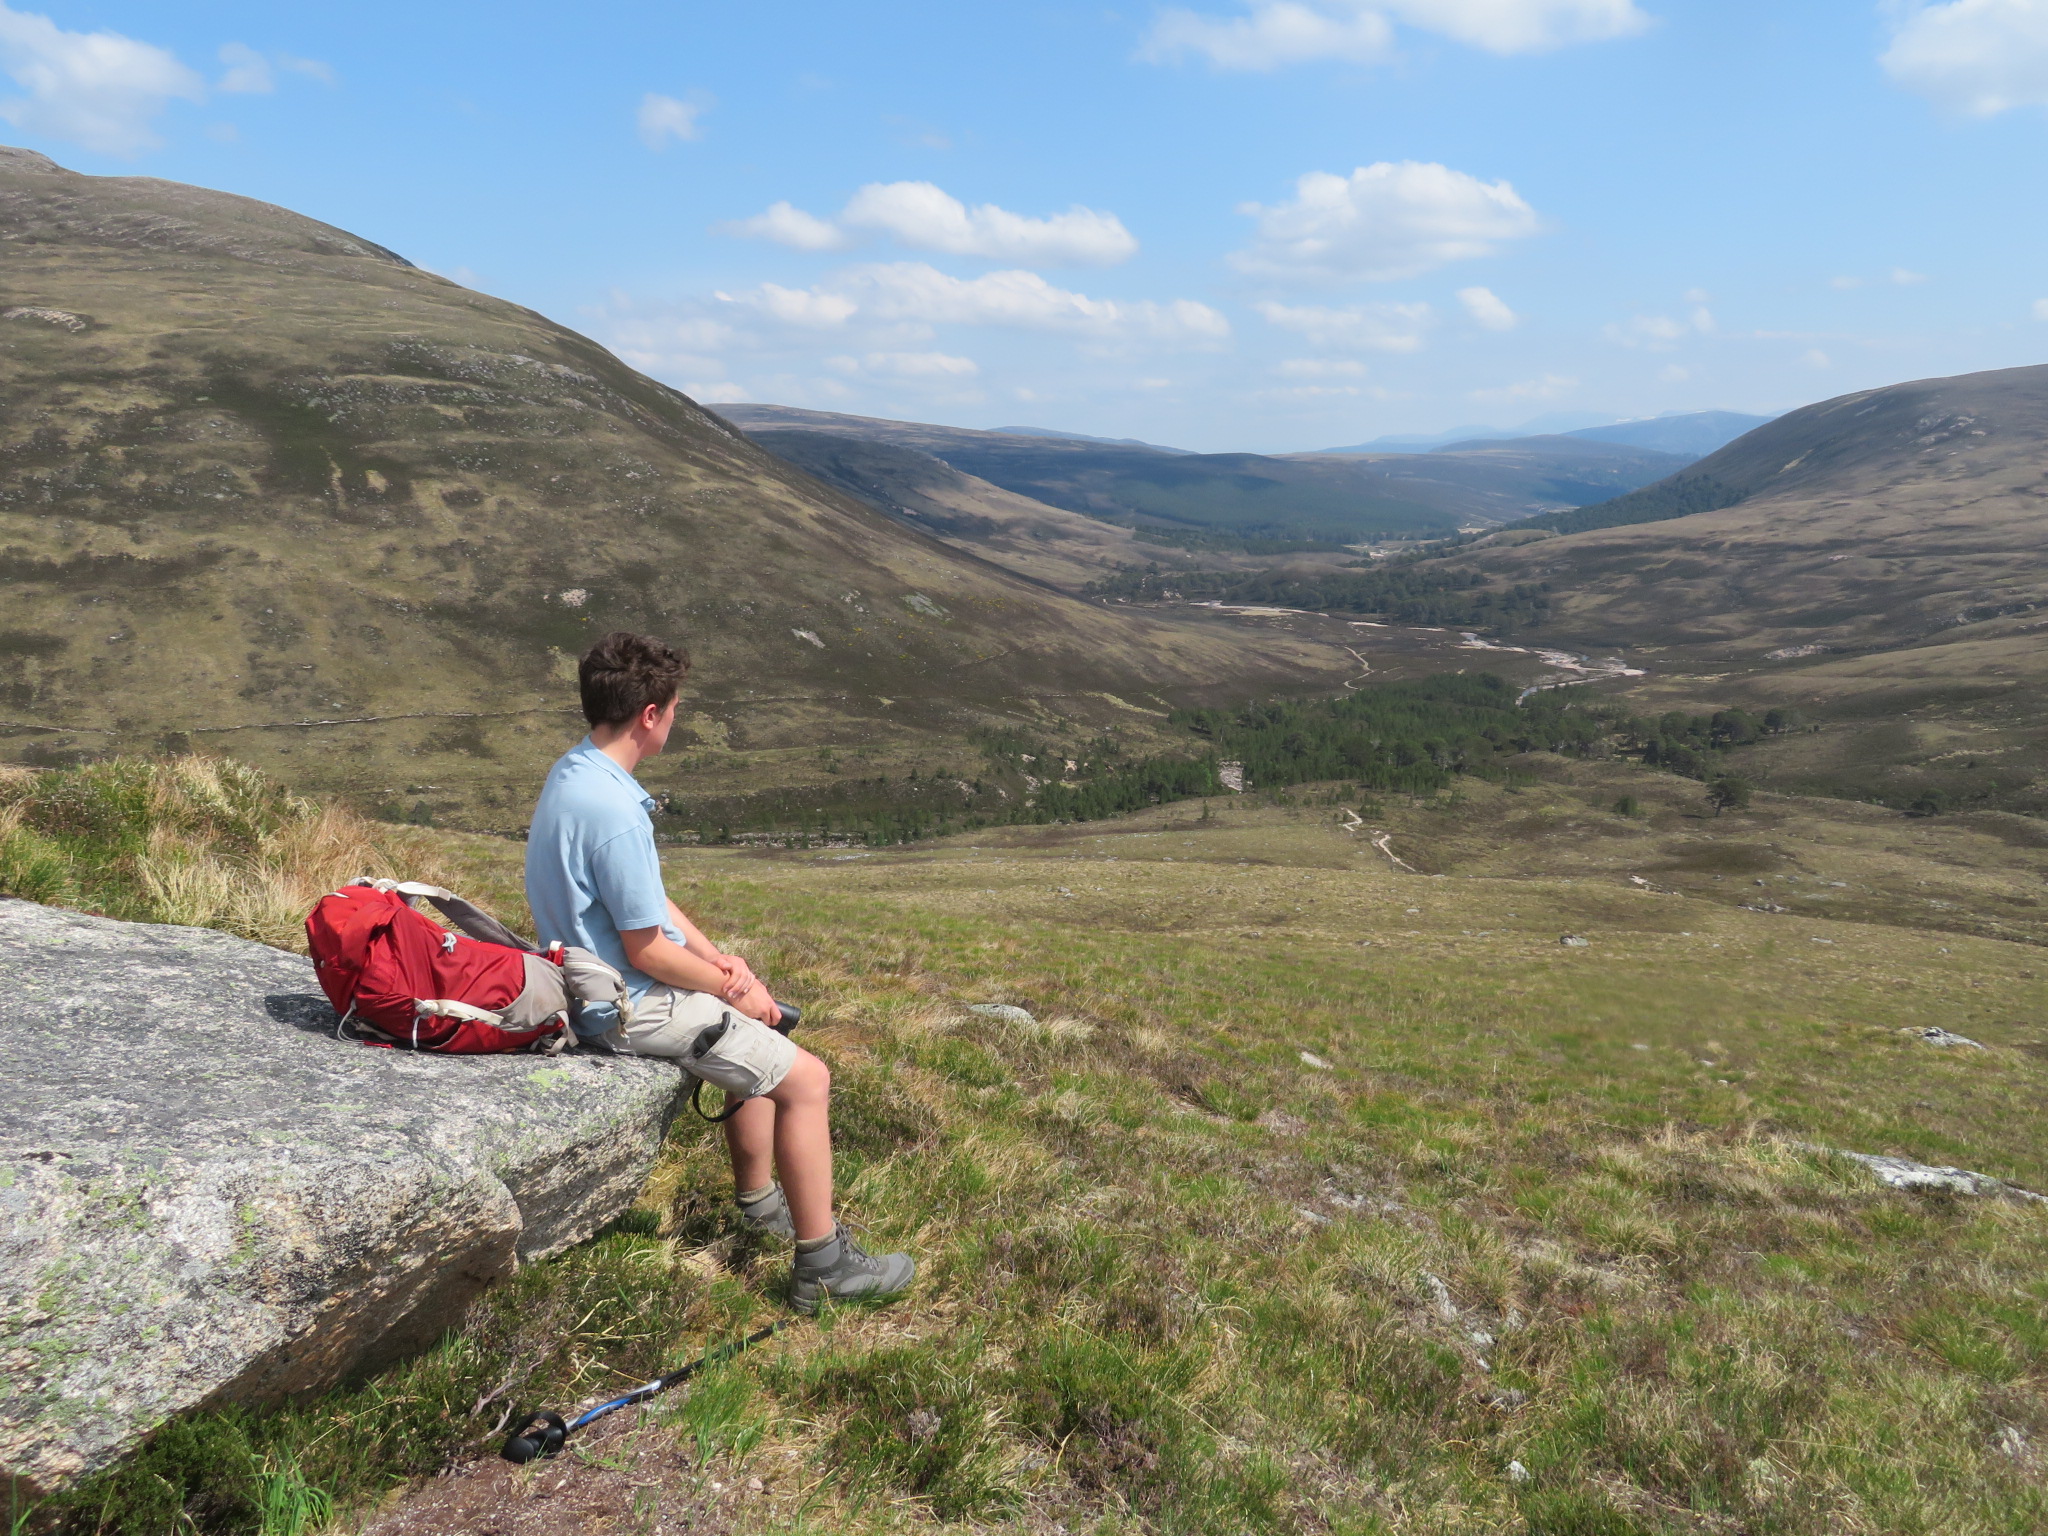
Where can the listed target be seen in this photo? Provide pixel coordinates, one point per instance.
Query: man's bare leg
(750, 1139)
(790, 1129)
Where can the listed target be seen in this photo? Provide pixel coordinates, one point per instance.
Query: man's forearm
(667, 961)
(652, 951)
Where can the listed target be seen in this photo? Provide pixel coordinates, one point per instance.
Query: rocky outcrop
(205, 1198)
(1904, 1173)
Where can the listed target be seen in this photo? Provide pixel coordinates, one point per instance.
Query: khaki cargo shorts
(747, 1059)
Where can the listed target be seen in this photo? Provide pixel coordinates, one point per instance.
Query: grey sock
(755, 1196)
(813, 1244)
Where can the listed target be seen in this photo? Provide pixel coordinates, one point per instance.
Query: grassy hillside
(1875, 561)
(1348, 498)
(1486, 482)
(1317, 1195)
(1047, 543)
(268, 490)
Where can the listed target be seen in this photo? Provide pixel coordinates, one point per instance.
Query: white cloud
(1672, 373)
(807, 307)
(99, 90)
(1898, 276)
(1487, 310)
(1277, 32)
(1382, 222)
(1653, 331)
(1660, 333)
(1552, 386)
(248, 72)
(1817, 359)
(702, 335)
(1976, 56)
(1355, 328)
(928, 218)
(721, 392)
(910, 365)
(255, 74)
(1319, 368)
(1523, 26)
(662, 118)
(2041, 309)
(786, 224)
(922, 215)
(912, 291)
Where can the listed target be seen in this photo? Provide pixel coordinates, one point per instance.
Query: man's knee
(807, 1080)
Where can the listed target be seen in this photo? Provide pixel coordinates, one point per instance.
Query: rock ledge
(205, 1198)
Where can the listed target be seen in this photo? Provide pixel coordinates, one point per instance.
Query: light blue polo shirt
(591, 866)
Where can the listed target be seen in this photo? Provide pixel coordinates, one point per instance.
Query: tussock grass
(204, 842)
(1541, 1251)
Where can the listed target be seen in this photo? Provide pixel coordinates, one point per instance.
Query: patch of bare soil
(619, 1476)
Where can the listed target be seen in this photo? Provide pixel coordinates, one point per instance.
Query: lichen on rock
(205, 1198)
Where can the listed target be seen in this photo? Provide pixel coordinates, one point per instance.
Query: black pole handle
(537, 1435)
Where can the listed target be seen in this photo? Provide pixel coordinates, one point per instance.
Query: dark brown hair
(624, 673)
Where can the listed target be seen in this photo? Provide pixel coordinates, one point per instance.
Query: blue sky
(1260, 224)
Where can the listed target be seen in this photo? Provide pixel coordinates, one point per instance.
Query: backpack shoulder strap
(466, 915)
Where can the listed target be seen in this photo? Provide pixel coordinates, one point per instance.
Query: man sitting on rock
(593, 879)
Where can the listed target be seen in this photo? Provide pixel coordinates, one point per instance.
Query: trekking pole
(541, 1434)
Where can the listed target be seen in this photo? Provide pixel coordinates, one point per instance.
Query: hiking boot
(842, 1270)
(769, 1215)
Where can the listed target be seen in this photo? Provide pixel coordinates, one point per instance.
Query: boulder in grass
(1934, 1035)
(205, 1198)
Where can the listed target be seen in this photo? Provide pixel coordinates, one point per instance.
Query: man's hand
(755, 1003)
(739, 976)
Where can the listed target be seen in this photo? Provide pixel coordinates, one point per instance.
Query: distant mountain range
(1083, 437)
(1212, 496)
(1698, 433)
(1691, 434)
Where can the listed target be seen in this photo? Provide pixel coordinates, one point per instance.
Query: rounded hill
(270, 490)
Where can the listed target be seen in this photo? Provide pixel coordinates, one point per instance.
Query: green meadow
(1308, 1193)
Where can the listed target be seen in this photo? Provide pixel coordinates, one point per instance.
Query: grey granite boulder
(205, 1198)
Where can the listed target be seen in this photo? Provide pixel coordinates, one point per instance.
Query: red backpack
(398, 978)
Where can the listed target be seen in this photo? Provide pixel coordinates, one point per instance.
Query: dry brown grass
(201, 842)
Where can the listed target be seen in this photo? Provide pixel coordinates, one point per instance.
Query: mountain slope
(1869, 520)
(1045, 543)
(1883, 567)
(1694, 435)
(1083, 437)
(1332, 496)
(1505, 480)
(268, 489)
(1244, 494)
